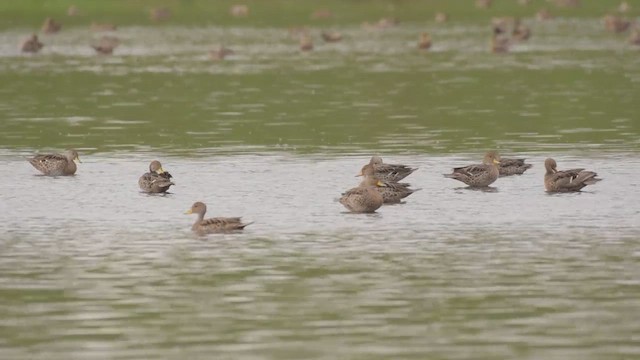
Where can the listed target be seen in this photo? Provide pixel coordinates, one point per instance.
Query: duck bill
(160, 171)
(497, 162)
(77, 159)
(381, 184)
(188, 212)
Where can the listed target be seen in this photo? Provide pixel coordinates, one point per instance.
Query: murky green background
(91, 268)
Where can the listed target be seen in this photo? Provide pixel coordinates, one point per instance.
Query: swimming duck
(31, 44)
(520, 31)
(239, 10)
(306, 44)
(106, 45)
(100, 27)
(389, 172)
(616, 24)
(159, 14)
(634, 38)
(499, 44)
(425, 41)
(365, 198)
(220, 53)
(513, 166)
(441, 17)
(50, 26)
(481, 175)
(624, 7)
(56, 164)
(332, 36)
(156, 180)
(213, 225)
(567, 180)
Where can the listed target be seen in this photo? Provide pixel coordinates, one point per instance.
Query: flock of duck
(507, 31)
(380, 185)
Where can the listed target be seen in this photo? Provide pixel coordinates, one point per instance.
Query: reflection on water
(90, 266)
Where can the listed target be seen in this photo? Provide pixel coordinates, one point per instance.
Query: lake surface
(92, 268)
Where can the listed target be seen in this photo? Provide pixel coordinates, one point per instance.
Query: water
(92, 268)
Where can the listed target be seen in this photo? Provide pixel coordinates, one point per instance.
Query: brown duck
(566, 180)
(365, 198)
(106, 45)
(513, 167)
(56, 164)
(389, 172)
(331, 36)
(214, 225)
(31, 44)
(50, 26)
(424, 43)
(156, 180)
(481, 175)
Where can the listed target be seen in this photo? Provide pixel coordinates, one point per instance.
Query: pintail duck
(306, 44)
(481, 175)
(220, 53)
(50, 26)
(389, 172)
(213, 225)
(106, 45)
(159, 14)
(441, 17)
(392, 192)
(331, 36)
(239, 10)
(101, 27)
(31, 44)
(499, 44)
(425, 41)
(567, 180)
(616, 24)
(156, 180)
(520, 31)
(365, 198)
(513, 167)
(56, 164)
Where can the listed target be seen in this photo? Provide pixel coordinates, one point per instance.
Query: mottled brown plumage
(365, 198)
(513, 166)
(50, 26)
(56, 164)
(214, 225)
(424, 43)
(566, 180)
(156, 180)
(31, 44)
(389, 172)
(481, 175)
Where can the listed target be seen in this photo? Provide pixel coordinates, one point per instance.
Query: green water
(91, 268)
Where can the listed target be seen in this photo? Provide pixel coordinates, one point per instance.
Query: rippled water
(92, 268)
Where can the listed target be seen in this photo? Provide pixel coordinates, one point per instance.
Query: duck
(483, 4)
(481, 175)
(106, 45)
(389, 172)
(520, 31)
(513, 166)
(544, 15)
(616, 24)
(220, 53)
(566, 180)
(499, 44)
(624, 7)
(239, 10)
(31, 44)
(393, 193)
(634, 38)
(204, 226)
(159, 14)
(56, 164)
(425, 41)
(331, 36)
(365, 198)
(441, 17)
(156, 180)
(100, 27)
(50, 26)
(306, 44)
